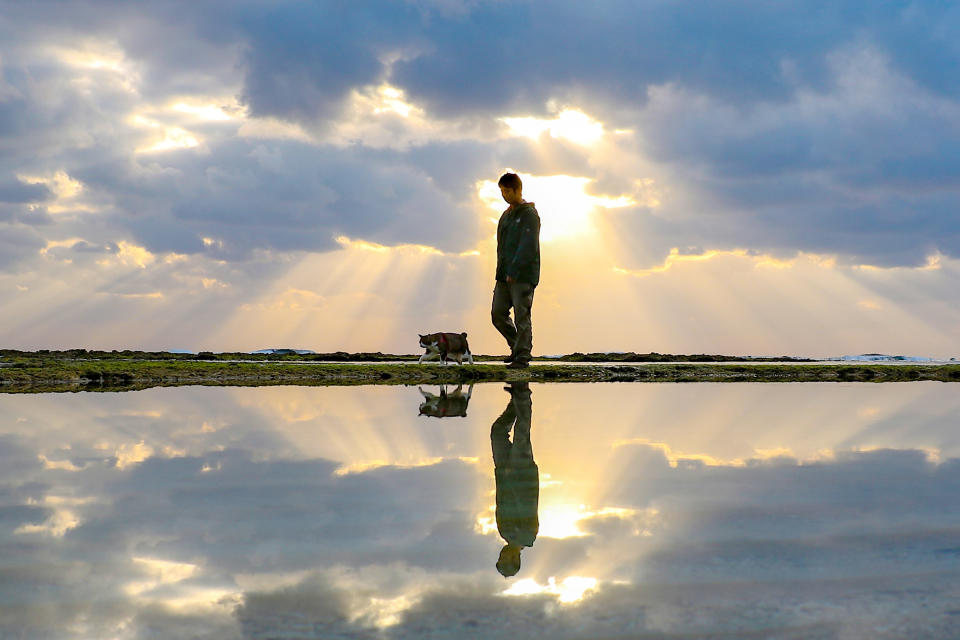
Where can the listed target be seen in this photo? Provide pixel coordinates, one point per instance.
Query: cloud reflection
(228, 518)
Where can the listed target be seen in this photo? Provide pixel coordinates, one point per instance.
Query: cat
(444, 346)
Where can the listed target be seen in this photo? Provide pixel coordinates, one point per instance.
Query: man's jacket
(518, 244)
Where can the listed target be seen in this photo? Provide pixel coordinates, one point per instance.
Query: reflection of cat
(444, 345)
(445, 405)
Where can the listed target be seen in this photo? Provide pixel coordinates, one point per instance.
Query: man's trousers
(519, 331)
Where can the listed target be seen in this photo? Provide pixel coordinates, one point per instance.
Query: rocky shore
(120, 371)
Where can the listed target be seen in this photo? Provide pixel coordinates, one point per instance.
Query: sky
(707, 510)
(746, 177)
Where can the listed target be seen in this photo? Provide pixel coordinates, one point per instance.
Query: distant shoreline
(292, 355)
(35, 372)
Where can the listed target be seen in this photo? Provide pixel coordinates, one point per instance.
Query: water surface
(637, 510)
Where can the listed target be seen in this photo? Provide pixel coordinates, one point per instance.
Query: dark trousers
(518, 332)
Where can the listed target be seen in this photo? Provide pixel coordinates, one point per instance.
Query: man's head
(511, 188)
(508, 564)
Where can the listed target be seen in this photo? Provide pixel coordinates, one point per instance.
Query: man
(518, 271)
(517, 478)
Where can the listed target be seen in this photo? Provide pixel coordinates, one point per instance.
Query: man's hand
(510, 280)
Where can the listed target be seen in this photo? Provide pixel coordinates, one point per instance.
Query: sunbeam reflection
(657, 508)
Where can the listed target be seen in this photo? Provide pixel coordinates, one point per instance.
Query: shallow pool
(630, 510)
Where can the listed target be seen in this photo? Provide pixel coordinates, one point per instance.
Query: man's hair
(510, 181)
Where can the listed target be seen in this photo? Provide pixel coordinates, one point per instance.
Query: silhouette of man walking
(518, 271)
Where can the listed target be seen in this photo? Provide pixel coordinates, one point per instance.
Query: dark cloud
(315, 195)
(172, 49)
(313, 605)
(900, 231)
(519, 54)
(358, 518)
(791, 127)
(865, 171)
(17, 462)
(17, 243)
(158, 622)
(18, 192)
(302, 61)
(16, 516)
(47, 116)
(877, 486)
(775, 177)
(29, 216)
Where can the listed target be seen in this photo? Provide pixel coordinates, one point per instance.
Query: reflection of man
(518, 479)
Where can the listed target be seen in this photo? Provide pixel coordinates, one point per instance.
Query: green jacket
(518, 244)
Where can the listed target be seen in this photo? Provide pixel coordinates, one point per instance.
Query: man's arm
(526, 248)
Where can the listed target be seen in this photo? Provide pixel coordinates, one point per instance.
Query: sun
(566, 209)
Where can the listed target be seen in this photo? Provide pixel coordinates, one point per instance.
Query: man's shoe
(508, 359)
(518, 364)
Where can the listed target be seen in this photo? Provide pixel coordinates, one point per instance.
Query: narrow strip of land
(26, 376)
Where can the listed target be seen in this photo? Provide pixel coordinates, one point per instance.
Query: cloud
(311, 604)
(782, 136)
(16, 243)
(230, 136)
(18, 192)
(829, 172)
(786, 132)
(302, 63)
(317, 195)
(174, 534)
(518, 53)
(355, 519)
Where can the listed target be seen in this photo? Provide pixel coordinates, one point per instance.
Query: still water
(621, 510)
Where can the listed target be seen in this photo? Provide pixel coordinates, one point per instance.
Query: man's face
(510, 195)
